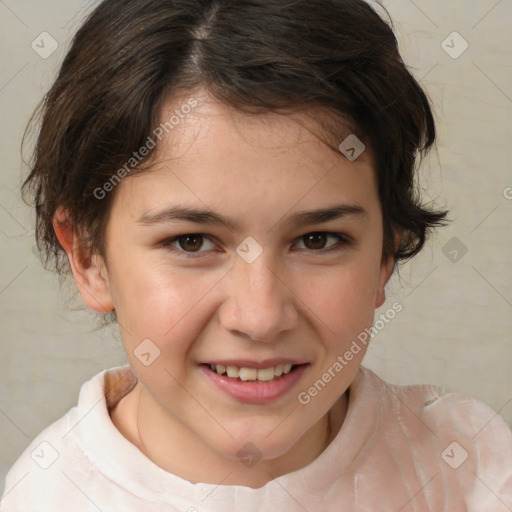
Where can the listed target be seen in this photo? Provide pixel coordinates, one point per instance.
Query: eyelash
(343, 242)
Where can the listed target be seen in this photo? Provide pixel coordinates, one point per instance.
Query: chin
(256, 442)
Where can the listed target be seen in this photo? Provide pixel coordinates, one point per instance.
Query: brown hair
(256, 55)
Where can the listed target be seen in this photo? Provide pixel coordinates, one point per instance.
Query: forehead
(217, 157)
(211, 121)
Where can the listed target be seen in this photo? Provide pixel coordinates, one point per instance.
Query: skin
(295, 300)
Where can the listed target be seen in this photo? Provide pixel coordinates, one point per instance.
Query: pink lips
(253, 391)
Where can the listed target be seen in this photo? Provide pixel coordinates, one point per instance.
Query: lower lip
(255, 392)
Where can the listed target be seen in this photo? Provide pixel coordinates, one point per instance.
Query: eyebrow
(200, 216)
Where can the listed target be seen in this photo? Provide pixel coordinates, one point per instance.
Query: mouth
(251, 382)
(251, 374)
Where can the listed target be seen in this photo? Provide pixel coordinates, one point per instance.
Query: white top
(400, 448)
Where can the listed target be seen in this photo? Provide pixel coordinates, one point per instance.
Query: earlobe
(386, 270)
(380, 298)
(90, 273)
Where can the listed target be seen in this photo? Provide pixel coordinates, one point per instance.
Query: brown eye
(315, 240)
(190, 243)
(323, 241)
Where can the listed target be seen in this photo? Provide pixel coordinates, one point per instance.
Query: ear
(386, 271)
(90, 272)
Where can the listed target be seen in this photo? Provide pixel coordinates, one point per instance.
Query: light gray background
(455, 328)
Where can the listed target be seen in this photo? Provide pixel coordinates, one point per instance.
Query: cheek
(161, 303)
(343, 299)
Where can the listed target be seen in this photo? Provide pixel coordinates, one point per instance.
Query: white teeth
(248, 373)
(245, 374)
(233, 372)
(266, 373)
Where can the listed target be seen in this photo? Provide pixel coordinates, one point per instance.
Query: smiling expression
(250, 255)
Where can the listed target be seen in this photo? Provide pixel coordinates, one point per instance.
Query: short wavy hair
(258, 56)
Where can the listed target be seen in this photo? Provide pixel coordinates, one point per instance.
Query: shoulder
(438, 407)
(42, 476)
(39, 469)
(463, 439)
(447, 412)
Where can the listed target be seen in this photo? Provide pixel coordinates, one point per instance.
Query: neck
(175, 448)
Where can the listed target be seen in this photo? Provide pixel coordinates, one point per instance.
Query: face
(248, 246)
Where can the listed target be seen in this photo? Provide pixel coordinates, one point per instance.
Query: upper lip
(266, 363)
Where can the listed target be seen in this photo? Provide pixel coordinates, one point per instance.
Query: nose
(260, 304)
